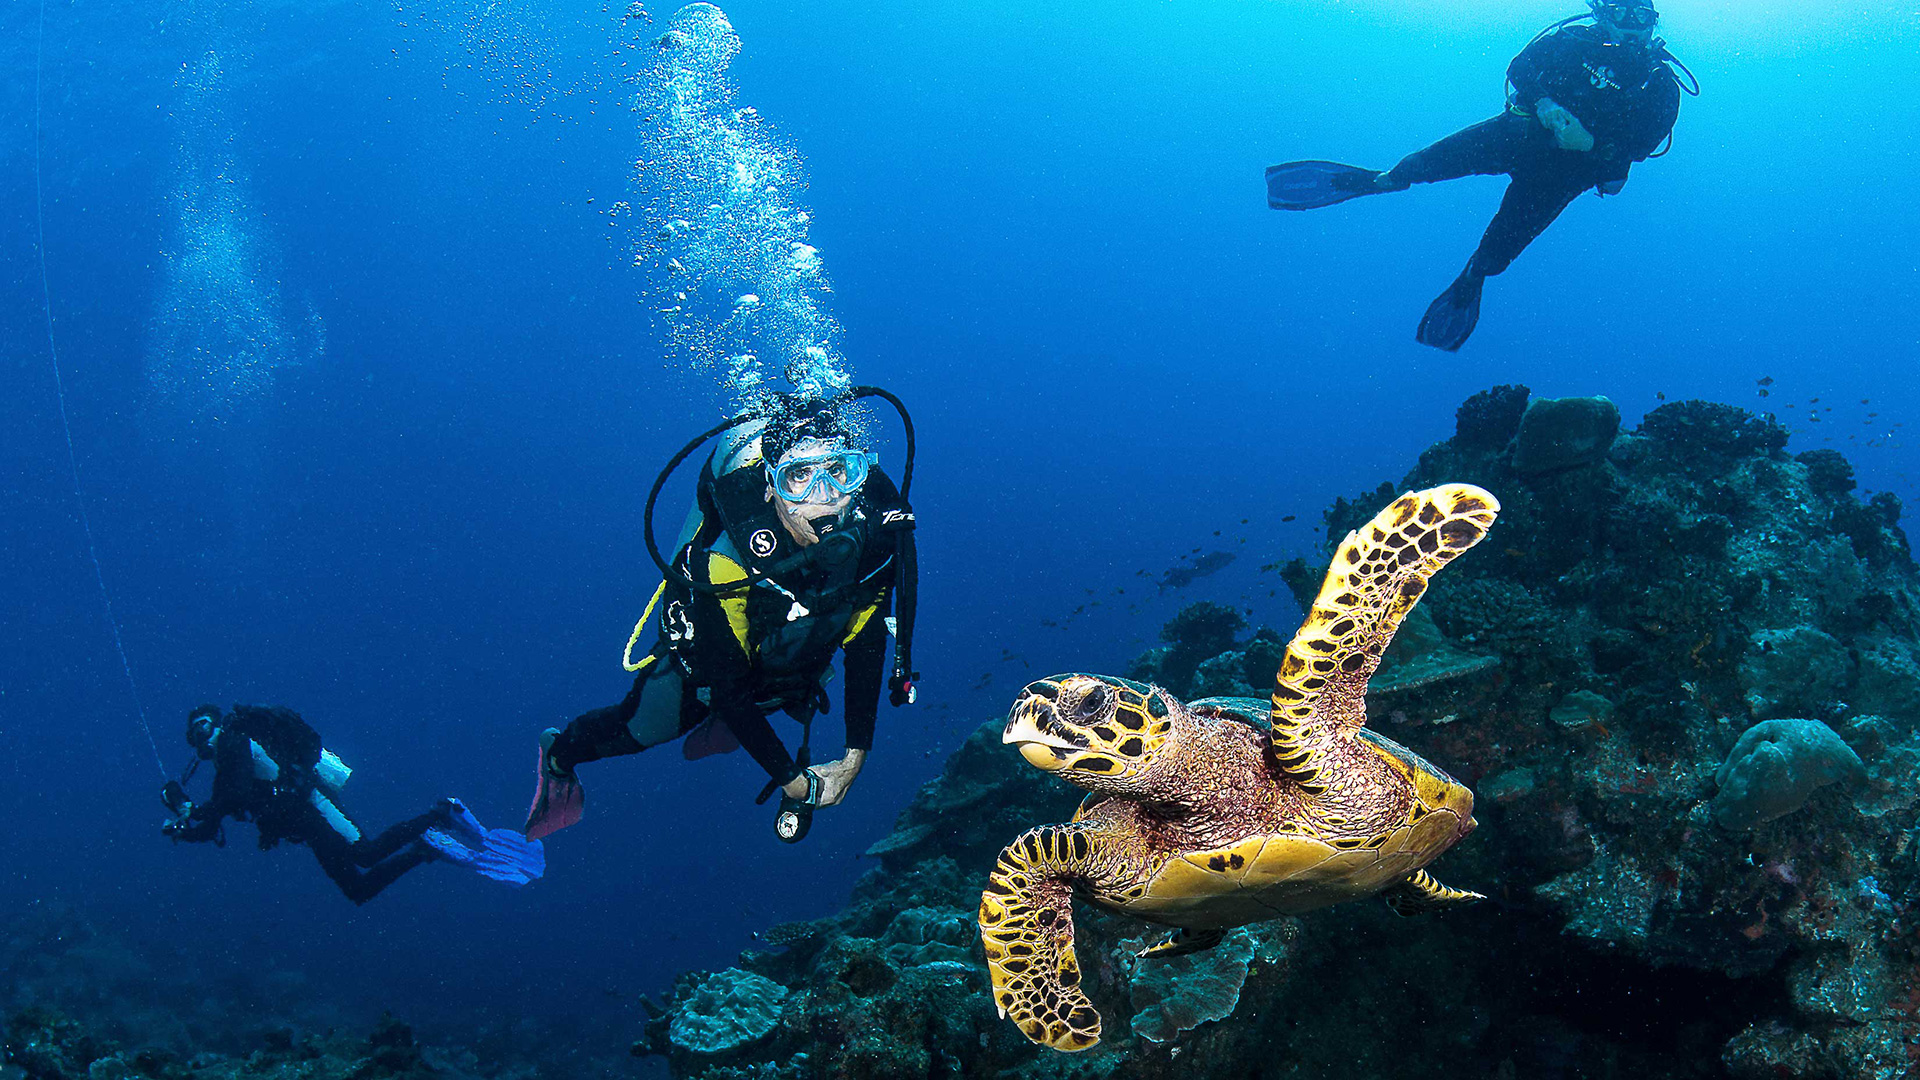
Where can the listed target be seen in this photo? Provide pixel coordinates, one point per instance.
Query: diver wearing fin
(1586, 100)
(270, 767)
(799, 547)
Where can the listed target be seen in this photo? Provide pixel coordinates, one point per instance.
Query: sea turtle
(1223, 812)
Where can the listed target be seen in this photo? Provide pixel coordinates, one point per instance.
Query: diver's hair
(793, 420)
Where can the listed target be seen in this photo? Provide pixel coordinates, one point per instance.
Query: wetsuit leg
(1488, 148)
(371, 850)
(1531, 204)
(648, 716)
(336, 857)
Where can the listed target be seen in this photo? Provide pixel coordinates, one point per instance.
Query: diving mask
(802, 477)
(1628, 20)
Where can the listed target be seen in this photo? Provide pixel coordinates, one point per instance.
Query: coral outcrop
(1776, 767)
(1675, 637)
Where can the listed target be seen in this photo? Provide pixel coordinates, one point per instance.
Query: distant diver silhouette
(1588, 98)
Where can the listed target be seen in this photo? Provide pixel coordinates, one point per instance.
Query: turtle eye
(1095, 703)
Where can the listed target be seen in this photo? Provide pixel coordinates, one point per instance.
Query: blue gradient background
(1046, 229)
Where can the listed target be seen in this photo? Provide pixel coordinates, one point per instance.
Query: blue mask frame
(843, 471)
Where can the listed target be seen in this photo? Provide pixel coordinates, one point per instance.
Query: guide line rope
(60, 393)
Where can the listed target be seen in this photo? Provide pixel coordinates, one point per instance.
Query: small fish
(1765, 380)
(1182, 576)
(1289, 517)
(1659, 396)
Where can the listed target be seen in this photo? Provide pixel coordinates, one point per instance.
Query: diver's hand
(552, 768)
(1567, 129)
(837, 776)
(173, 828)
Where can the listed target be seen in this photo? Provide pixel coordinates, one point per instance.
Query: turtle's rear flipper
(1183, 942)
(1026, 926)
(1420, 893)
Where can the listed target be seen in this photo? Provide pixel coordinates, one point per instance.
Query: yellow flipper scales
(1378, 574)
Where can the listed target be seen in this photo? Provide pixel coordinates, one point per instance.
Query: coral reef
(1611, 672)
(76, 1003)
(1776, 767)
(42, 1044)
(1564, 433)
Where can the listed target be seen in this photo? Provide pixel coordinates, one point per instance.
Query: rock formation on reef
(1682, 676)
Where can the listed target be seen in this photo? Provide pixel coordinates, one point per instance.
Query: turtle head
(1100, 733)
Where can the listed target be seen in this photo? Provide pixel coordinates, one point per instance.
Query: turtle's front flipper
(1026, 925)
(1420, 893)
(1182, 943)
(1377, 576)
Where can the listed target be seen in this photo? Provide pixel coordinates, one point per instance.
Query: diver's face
(823, 502)
(1629, 25)
(200, 735)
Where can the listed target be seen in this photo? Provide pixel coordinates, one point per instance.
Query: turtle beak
(1031, 726)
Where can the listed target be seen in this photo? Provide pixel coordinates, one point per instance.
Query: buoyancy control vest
(280, 756)
(791, 606)
(733, 531)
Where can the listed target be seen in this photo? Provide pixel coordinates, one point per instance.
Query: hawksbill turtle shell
(1203, 818)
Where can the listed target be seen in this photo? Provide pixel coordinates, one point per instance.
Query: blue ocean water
(366, 391)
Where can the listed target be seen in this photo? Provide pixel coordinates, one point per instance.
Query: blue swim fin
(497, 854)
(1451, 317)
(1310, 185)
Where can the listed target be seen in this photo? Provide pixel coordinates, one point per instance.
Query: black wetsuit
(749, 652)
(283, 808)
(1625, 96)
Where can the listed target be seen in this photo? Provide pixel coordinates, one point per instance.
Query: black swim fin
(1309, 185)
(1450, 319)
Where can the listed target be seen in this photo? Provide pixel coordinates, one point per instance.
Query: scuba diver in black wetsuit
(800, 547)
(269, 767)
(1585, 102)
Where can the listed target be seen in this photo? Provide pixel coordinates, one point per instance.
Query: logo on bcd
(762, 543)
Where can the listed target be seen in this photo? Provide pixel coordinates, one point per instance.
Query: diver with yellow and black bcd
(799, 547)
